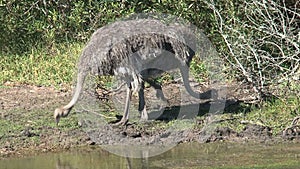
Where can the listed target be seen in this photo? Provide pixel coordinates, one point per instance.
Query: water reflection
(96, 158)
(63, 164)
(224, 155)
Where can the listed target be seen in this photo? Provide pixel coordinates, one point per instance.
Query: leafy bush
(259, 39)
(31, 23)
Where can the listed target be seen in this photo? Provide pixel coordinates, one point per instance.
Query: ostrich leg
(125, 117)
(159, 92)
(142, 107)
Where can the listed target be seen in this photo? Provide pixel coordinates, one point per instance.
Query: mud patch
(256, 131)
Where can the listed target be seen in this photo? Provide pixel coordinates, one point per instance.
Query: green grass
(277, 114)
(46, 67)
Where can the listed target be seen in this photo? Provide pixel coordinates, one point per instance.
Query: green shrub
(28, 24)
(259, 40)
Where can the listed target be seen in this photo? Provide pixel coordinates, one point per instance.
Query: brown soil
(27, 125)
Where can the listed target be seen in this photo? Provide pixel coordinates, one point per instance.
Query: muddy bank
(27, 125)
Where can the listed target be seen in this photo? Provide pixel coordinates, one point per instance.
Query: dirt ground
(27, 125)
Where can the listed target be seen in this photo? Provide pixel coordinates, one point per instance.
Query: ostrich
(135, 51)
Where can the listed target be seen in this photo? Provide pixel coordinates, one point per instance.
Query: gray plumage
(135, 50)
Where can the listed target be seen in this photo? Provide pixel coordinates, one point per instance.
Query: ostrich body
(135, 51)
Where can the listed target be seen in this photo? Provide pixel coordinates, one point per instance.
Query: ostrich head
(60, 112)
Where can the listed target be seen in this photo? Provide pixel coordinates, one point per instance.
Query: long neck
(79, 85)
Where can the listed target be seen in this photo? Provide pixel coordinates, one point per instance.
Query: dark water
(193, 155)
